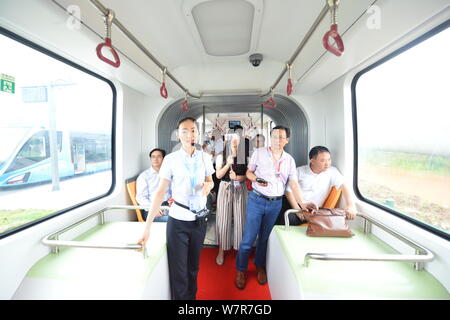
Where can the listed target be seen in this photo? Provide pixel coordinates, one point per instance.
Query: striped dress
(231, 206)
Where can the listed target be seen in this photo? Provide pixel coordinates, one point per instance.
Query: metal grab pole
(130, 36)
(308, 35)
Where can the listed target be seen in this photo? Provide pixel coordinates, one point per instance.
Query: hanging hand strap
(289, 83)
(108, 23)
(270, 103)
(163, 89)
(333, 32)
(184, 105)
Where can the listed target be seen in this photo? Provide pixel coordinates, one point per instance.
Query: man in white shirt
(189, 172)
(147, 183)
(316, 181)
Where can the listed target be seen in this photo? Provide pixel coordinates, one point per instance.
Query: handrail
(421, 255)
(130, 36)
(53, 241)
(308, 35)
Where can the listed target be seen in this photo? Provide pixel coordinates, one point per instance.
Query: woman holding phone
(232, 196)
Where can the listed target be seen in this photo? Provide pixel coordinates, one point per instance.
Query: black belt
(201, 217)
(182, 205)
(185, 207)
(266, 197)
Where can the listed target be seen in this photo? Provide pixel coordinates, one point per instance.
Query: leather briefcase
(327, 223)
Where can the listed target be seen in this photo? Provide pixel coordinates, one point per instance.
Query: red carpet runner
(217, 282)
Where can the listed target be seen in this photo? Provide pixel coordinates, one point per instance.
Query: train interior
(374, 100)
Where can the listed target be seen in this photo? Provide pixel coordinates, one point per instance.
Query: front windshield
(10, 138)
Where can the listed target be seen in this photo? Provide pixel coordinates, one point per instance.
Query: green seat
(86, 273)
(353, 279)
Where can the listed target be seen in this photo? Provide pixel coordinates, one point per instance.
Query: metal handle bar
(53, 241)
(308, 35)
(421, 255)
(130, 36)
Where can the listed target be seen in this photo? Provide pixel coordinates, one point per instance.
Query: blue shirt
(146, 186)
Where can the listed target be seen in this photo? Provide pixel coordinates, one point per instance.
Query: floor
(210, 239)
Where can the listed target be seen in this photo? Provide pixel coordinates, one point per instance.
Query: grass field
(417, 185)
(436, 164)
(10, 219)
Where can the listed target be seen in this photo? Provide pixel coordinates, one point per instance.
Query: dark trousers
(216, 181)
(184, 244)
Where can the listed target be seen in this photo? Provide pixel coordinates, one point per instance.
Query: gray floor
(210, 239)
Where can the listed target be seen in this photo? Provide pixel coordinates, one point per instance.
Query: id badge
(195, 202)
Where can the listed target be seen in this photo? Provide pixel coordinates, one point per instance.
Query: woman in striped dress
(231, 166)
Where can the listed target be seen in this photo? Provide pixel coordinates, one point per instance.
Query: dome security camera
(255, 59)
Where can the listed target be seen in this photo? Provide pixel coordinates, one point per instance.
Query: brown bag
(327, 223)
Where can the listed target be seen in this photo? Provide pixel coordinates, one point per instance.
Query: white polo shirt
(316, 187)
(177, 168)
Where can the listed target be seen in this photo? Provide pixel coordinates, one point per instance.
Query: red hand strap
(289, 87)
(333, 33)
(163, 91)
(184, 106)
(108, 44)
(270, 103)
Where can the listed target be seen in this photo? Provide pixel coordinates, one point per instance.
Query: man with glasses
(147, 183)
(270, 170)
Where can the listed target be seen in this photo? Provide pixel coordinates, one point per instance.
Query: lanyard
(192, 169)
(278, 165)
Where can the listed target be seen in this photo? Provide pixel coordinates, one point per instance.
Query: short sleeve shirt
(186, 173)
(316, 187)
(276, 174)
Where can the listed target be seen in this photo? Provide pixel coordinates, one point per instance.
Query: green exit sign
(7, 83)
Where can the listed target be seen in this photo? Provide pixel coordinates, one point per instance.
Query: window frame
(32, 45)
(355, 79)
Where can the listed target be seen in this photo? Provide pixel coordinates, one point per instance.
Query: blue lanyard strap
(192, 169)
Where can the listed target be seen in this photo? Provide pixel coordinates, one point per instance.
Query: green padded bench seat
(345, 279)
(86, 273)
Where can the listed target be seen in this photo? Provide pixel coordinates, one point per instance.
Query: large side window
(56, 125)
(402, 124)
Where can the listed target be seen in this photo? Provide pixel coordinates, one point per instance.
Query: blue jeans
(259, 221)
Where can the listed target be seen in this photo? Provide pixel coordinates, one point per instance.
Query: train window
(56, 136)
(402, 124)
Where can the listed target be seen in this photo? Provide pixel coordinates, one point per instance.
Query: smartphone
(261, 180)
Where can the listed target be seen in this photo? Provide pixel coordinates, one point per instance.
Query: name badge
(195, 202)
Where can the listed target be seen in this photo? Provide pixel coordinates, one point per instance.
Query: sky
(83, 102)
(404, 104)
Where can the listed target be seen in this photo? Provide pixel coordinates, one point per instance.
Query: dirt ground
(419, 195)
